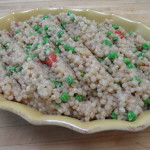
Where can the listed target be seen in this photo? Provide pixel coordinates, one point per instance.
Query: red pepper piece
(51, 59)
(145, 65)
(120, 33)
(41, 62)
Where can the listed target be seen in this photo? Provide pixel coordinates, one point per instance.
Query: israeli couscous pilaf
(69, 65)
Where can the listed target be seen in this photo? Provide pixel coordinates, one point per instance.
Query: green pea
(126, 60)
(79, 97)
(57, 105)
(130, 32)
(36, 46)
(36, 27)
(115, 38)
(4, 48)
(57, 84)
(67, 47)
(75, 38)
(131, 116)
(114, 115)
(145, 46)
(147, 101)
(107, 42)
(45, 17)
(115, 26)
(45, 28)
(109, 33)
(57, 51)
(45, 41)
(58, 42)
(137, 79)
(72, 49)
(13, 68)
(70, 80)
(19, 68)
(17, 31)
(69, 13)
(46, 36)
(102, 58)
(112, 55)
(131, 66)
(8, 74)
(64, 97)
(40, 30)
(73, 18)
(60, 33)
(83, 74)
(28, 46)
(63, 23)
(141, 55)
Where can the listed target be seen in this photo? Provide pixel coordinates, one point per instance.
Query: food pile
(69, 65)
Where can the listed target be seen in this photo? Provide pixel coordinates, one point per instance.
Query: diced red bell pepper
(39, 61)
(51, 59)
(120, 33)
(42, 62)
(145, 65)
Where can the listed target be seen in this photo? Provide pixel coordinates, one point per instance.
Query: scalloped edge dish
(35, 117)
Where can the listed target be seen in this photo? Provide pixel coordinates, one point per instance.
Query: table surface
(17, 134)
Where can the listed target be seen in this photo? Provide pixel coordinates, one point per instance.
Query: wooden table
(17, 134)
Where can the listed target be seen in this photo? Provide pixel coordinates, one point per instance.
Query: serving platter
(35, 117)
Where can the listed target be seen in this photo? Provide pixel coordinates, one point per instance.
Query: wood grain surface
(17, 134)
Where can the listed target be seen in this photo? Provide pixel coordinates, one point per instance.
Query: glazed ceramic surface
(35, 117)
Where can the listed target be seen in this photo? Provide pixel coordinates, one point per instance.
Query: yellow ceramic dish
(35, 117)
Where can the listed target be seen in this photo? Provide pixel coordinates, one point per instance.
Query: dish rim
(35, 117)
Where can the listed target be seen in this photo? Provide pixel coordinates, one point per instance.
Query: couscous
(69, 65)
